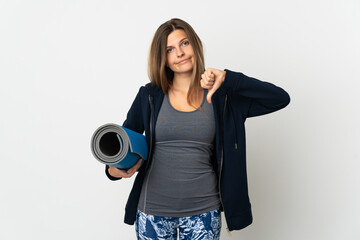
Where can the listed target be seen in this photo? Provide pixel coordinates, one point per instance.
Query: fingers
(116, 172)
(207, 79)
(134, 168)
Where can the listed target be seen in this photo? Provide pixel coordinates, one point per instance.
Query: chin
(186, 68)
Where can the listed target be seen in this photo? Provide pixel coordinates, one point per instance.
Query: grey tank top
(181, 181)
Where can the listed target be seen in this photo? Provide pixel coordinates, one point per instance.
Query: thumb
(212, 90)
(210, 93)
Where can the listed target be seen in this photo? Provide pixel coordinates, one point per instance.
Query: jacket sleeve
(134, 121)
(263, 97)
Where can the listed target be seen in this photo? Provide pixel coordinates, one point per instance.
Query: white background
(67, 67)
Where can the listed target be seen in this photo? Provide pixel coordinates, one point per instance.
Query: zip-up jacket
(238, 98)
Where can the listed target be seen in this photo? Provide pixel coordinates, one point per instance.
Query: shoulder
(152, 90)
(146, 91)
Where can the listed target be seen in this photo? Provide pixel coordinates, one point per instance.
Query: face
(179, 52)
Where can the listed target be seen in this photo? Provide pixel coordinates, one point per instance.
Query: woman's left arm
(265, 97)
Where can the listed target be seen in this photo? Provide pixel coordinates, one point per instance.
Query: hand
(212, 79)
(122, 173)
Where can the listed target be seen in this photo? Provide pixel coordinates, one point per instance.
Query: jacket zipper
(221, 163)
(151, 122)
(150, 151)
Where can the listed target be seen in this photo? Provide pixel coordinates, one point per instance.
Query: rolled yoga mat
(118, 146)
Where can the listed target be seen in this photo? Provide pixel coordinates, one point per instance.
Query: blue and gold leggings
(205, 226)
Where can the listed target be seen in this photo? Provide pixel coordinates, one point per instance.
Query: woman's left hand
(212, 79)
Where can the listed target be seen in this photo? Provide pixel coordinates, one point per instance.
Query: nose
(179, 52)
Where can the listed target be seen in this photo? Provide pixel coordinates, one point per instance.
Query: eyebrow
(179, 42)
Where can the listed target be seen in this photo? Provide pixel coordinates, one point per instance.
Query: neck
(181, 81)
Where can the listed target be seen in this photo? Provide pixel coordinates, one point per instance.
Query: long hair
(161, 75)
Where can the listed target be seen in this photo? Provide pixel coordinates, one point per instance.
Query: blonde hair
(161, 75)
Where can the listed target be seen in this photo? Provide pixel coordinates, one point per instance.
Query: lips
(184, 61)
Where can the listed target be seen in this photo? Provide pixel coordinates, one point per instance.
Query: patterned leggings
(205, 226)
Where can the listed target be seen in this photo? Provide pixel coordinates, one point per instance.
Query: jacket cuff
(232, 79)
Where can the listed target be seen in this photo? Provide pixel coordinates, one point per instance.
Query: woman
(194, 126)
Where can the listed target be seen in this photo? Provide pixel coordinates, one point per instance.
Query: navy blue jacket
(238, 98)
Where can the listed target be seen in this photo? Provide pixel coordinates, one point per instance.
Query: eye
(169, 50)
(185, 43)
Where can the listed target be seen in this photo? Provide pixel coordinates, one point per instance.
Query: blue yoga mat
(118, 146)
